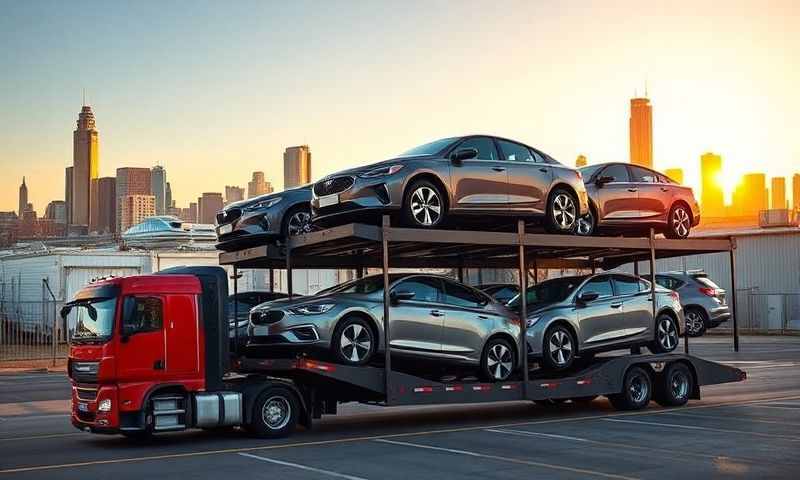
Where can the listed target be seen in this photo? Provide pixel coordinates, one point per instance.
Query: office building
(778, 191)
(105, 217)
(751, 196)
(170, 203)
(9, 228)
(68, 193)
(796, 192)
(158, 188)
(711, 196)
(56, 211)
(233, 194)
(641, 132)
(133, 209)
(258, 186)
(85, 166)
(675, 174)
(296, 166)
(207, 207)
(192, 214)
(131, 181)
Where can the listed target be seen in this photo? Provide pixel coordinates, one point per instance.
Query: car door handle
(664, 189)
(483, 317)
(633, 189)
(437, 313)
(499, 169)
(616, 305)
(543, 170)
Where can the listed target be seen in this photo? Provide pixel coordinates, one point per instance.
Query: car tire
(353, 342)
(420, 204)
(559, 348)
(666, 334)
(275, 413)
(498, 360)
(296, 221)
(679, 222)
(637, 390)
(695, 322)
(587, 224)
(675, 386)
(562, 211)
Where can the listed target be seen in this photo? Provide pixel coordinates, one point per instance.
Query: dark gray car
(264, 218)
(480, 176)
(583, 315)
(432, 317)
(705, 304)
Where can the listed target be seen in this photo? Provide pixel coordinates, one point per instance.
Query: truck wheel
(675, 386)
(353, 342)
(275, 413)
(637, 389)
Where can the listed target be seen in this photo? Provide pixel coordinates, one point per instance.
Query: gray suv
(704, 304)
(584, 315)
(432, 317)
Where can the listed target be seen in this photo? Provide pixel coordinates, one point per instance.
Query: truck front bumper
(95, 408)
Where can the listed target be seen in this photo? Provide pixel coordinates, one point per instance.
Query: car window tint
(514, 152)
(599, 285)
(643, 175)
(707, 282)
(618, 172)
(626, 285)
(456, 294)
(504, 294)
(644, 286)
(425, 289)
(484, 146)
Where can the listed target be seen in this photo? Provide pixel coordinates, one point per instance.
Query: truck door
(182, 341)
(142, 341)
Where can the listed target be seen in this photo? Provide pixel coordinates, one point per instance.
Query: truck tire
(674, 386)
(637, 389)
(275, 413)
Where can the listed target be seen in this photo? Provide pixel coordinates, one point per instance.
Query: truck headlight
(105, 405)
(531, 321)
(312, 308)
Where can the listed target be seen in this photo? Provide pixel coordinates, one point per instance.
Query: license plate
(83, 407)
(328, 200)
(223, 229)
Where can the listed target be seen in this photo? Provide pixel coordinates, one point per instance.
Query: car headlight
(266, 203)
(312, 309)
(531, 321)
(105, 405)
(381, 172)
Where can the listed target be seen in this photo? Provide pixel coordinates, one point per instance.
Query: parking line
(302, 467)
(777, 407)
(738, 418)
(39, 437)
(709, 429)
(519, 461)
(540, 434)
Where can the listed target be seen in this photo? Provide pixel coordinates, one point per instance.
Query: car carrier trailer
(269, 397)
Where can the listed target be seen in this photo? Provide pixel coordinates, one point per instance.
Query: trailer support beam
(386, 299)
(735, 312)
(523, 307)
(236, 310)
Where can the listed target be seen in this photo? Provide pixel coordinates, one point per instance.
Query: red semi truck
(150, 353)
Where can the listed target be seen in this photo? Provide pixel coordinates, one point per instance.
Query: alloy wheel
(299, 223)
(667, 334)
(426, 206)
(499, 361)
(276, 412)
(560, 348)
(586, 224)
(638, 389)
(679, 385)
(694, 323)
(355, 342)
(681, 222)
(564, 211)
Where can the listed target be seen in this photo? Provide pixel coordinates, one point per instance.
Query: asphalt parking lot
(748, 429)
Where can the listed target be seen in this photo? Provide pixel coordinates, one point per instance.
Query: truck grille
(84, 371)
(329, 186)
(228, 216)
(86, 392)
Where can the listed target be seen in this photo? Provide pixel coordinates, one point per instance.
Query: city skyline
(712, 89)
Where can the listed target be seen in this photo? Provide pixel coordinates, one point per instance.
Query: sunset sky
(215, 90)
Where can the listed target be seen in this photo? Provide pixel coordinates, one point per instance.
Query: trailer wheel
(637, 389)
(275, 413)
(674, 386)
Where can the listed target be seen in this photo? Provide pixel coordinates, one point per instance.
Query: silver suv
(704, 304)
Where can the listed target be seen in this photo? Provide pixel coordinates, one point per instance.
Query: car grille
(265, 318)
(228, 216)
(86, 392)
(329, 186)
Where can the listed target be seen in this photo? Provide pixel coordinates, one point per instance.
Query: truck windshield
(92, 319)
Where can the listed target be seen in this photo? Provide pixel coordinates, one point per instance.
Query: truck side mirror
(65, 311)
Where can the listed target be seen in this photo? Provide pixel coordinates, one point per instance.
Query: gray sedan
(583, 315)
(432, 317)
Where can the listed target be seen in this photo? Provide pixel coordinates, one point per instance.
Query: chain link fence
(31, 329)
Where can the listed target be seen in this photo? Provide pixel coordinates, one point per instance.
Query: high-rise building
(711, 197)
(23, 198)
(192, 214)
(796, 192)
(9, 228)
(134, 209)
(640, 125)
(675, 174)
(207, 207)
(131, 181)
(751, 195)
(158, 188)
(580, 161)
(105, 191)
(778, 190)
(233, 194)
(168, 197)
(68, 193)
(296, 166)
(85, 164)
(258, 186)
(57, 212)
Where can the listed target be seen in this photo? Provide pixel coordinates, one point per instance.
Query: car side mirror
(586, 297)
(600, 181)
(396, 296)
(463, 154)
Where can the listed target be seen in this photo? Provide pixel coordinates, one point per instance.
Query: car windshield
(550, 291)
(366, 285)
(92, 319)
(431, 148)
(587, 172)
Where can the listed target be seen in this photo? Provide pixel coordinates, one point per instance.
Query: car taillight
(709, 292)
(675, 295)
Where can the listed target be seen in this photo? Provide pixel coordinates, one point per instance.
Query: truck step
(178, 411)
(172, 397)
(169, 428)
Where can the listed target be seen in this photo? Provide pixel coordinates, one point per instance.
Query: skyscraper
(158, 188)
(711, 197)
(296, 166)
(57, 212)
(68, 193)
(580, 161)
(23, 198)
(131, 181)
(105, 191)
(751, 195)
(257, 186)
(641, 132)
(134, 209)
(233, 193)
(192, 216)
(85, 164)
(675, 174)
(208, 205)
(796, 192)
(168, 197)
(778, 192)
